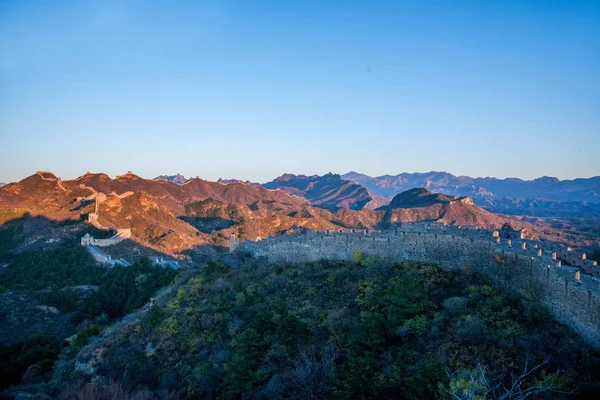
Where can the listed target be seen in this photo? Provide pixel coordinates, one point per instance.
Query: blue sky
(252, 89)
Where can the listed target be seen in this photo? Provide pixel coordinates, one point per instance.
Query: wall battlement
(572, 296)
(164, 262)
(122, 234)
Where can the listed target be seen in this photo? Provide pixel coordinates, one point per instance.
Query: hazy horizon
(191, 175)
(250, 90)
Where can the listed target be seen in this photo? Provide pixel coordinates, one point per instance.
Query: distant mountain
(230, 181)
(582, 189)
(420, 204)
(540, 207)
(2, 184)
(179, 179)
(328, 191)
(494, 194)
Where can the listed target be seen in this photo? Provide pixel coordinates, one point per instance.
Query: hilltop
(419, 197)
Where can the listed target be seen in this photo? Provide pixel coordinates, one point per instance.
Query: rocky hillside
(167, 216)
(328, 191)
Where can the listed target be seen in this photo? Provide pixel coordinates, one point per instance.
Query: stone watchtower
(234, 243)
(87, 240)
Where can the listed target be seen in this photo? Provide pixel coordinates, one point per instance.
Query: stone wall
(122, 234)
(164, 262)
(525, 265)
(104, 258)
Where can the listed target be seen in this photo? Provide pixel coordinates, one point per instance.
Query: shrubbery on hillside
(10, 236)
(48, 276)
(37, 353)
(364, 329)
(122, 289)
(125, 289)
(66, 266)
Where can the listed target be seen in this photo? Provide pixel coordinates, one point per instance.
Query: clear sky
(252, 89)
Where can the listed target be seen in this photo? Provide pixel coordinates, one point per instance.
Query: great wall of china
(99, 198)
(92, 244)
(525, 265)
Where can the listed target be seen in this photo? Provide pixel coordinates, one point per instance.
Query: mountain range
(174, 218)
(545, 196)
(541, 197)
(576, 190)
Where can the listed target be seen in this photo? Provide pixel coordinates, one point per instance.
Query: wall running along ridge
(527, 266)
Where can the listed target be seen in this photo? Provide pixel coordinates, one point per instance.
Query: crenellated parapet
(165, 262)
(89, 240)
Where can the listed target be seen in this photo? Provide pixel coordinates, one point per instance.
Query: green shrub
(249, 329)
(41, 351)
(80, 339)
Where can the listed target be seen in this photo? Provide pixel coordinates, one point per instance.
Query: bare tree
(479, 385)
(313, 373)
(111, 390)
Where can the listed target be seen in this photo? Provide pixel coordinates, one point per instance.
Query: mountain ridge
(552, 188)
(543, 197)
(155, 209)
(329, 191)
(174, 218)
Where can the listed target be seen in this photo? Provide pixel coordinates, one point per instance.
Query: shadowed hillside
(329, 191)
(418, 197)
